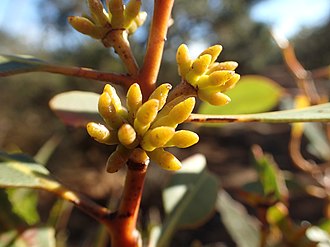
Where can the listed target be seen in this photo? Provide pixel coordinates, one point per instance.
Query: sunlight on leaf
(24, 204)
(43, 236)
(21, 171)
(10, 65)
(189, 198)
(243, 228)
(252, 94)
(76, 108)
(317, 113)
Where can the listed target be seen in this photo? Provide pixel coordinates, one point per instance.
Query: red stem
(150, 69)
(122, 227)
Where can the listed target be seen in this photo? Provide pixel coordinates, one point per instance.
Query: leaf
(241, 226)
(10, 65)
(41, 236)
(270, 176)
(252, 94)
(189, 197)
(21, 171)
(319, 144)
(317, 113)
(24, 204)
(8, 219)
(76, 108)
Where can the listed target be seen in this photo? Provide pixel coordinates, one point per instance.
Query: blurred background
(39, 28)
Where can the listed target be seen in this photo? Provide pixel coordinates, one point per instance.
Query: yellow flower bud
(116, 8)
(157, 137)
(115, 100)
(127, 136)
(183, 139)
(139, 156)
(131, 11)
(198, 68)
(85, 26)
(182, 111)
(137, 22)
(160, 94)
(217, 78)
(148, 111)
(133, 100)
(183, 60)
(200, 65)
(232, 82)
(178, 114)
(118, 159)
(213, 96)
(165, 159)
(213, 51)
(108, 111)
(229, 65)
(97, 11)
(145, 115)
(140, 128)
(101, 134)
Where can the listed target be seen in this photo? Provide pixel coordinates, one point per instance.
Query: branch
(302, 76)
(157, 37)
(122, 227)
(87, 73)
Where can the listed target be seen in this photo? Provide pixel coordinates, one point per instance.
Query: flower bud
(108, 111)
(161, 93)
(137, 22)
(139, 156)
(148, 111)
(213, 97)
(116, 8)
(183, 139)
(133, 100)
(131, 11)
(101, 134)
(127, 135)
(85, 26)
(165, 159)
(157, 137)
(97, 11)
(229, 65)
(183, 60)
(178, 114)
(213, 51)
(118, 159)
(115, 100)
(217, 78)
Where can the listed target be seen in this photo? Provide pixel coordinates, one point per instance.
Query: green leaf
(243, 228)
(24, 203)
(252, 94)
(10, 65)
(189, 198)
(268, 177)
(41, 236)
(8, 219)
(19, 170)
(76, 108)
(317, 113)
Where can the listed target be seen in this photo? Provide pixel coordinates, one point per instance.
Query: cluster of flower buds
(208, 77)
(142, 130)
(102, 22)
